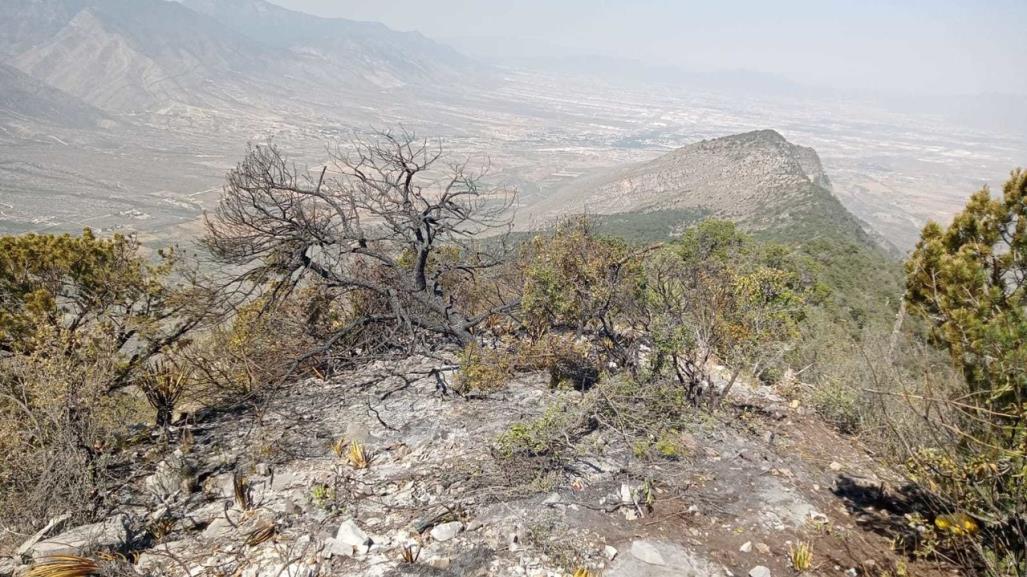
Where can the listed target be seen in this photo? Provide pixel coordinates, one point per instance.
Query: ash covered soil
(273, 492)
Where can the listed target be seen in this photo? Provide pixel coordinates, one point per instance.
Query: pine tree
(968, 282)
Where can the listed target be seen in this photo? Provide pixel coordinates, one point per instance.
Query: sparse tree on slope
(388, 229)
(970, 283)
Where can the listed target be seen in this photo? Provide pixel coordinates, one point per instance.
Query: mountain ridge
(757, 179)
(137, 56)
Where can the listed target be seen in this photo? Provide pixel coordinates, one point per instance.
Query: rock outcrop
(273, 496)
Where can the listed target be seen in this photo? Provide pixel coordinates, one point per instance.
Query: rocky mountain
(25, 99)
(757, 179)
(132, 56)
(347, 50)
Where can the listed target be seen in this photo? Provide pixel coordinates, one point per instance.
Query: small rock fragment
(610, 552)
(350, 539)
(746, 547)
(440, 562)
(446, 531)
(759, 571)
(625, 494)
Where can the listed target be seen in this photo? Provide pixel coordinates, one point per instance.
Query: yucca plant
(583, 572)
(163, 383)
(357, 456)
(64, 566)
(801, 556)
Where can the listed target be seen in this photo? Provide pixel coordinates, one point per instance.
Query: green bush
(81, 321)
(969, 283)
(484, 370)
(543, 436)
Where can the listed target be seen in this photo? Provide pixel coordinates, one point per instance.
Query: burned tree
(400, 241)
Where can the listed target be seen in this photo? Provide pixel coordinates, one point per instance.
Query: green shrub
(483, 370)
(543, 436)
(968, 283)
(81, 319)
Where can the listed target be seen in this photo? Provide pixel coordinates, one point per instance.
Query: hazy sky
(918, 46)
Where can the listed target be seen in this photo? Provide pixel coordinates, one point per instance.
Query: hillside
(366, 52)
(776, 190)
(145, 55)
(756, 179)
(23, 98)
(733, 500)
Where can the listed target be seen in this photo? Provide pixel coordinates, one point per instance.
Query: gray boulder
(112, 533)
(446, 531)
(350, 539)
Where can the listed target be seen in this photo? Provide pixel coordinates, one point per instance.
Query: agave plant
(357, 456)
(411, 553)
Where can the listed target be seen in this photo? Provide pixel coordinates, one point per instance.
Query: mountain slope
(757, 179)
(133, 56)
(768, 186)
(361, 51)
(25, 98)
(137, 55)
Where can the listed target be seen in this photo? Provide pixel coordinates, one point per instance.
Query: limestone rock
(647, 552)
(173, 474)
(759, 571)
(50, 527)
(7, 566)
(446, 531)
(110, 534)
(350, 539)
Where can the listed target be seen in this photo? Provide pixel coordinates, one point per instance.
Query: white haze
(937, 47)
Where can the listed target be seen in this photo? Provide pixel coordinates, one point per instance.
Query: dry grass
(260, 535)
(64, 566)
(241, 492)
(801, 556)
(411, 553)
(339, 447)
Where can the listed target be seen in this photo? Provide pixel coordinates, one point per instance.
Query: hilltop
(756, 179)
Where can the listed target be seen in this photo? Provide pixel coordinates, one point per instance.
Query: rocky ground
(275, 493)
